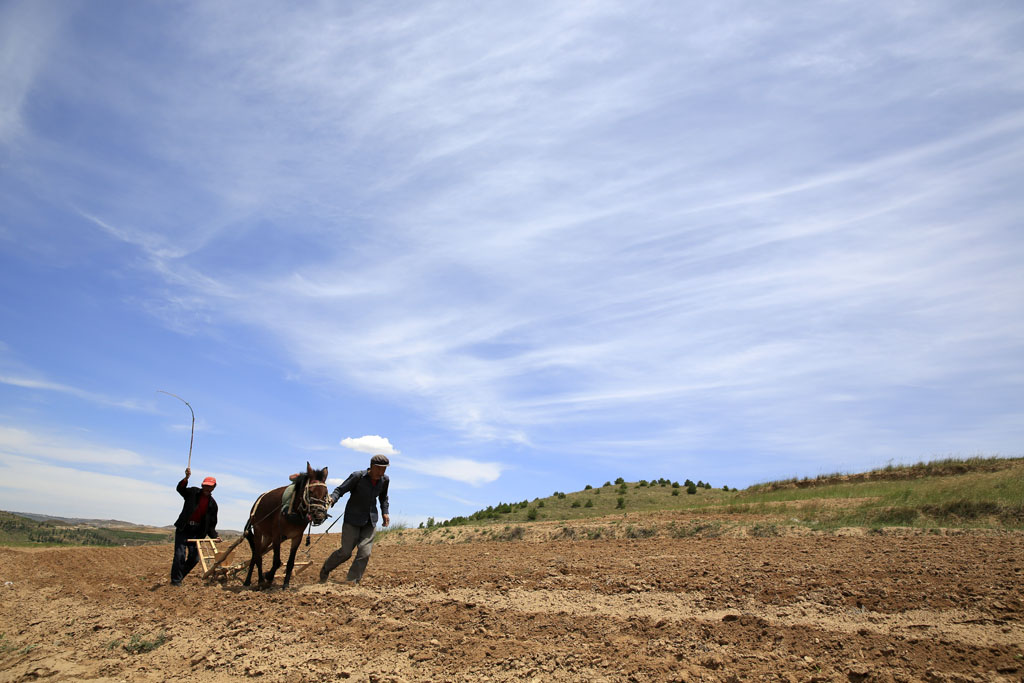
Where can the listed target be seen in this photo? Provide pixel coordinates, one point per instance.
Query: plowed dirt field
(898, 606)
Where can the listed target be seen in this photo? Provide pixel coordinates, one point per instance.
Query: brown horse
(269, 525)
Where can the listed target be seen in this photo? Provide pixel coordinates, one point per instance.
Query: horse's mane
(303, 480)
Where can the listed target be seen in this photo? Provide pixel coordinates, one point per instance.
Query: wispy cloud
(571, 229)
(44, 385)
(458, 469)
(26, 443)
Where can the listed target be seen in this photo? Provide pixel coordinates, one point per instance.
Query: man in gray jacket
(365, 488)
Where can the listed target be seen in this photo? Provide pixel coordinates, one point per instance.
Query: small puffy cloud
(371, 443)
(460, 469)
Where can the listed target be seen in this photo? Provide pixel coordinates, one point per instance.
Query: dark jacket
(361, 508)
(207, 526)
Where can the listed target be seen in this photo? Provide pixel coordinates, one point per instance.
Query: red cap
(209, 481)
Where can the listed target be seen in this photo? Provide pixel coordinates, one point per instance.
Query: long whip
(192, 436)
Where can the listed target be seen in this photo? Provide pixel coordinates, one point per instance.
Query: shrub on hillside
(691, 489)
(620, 503)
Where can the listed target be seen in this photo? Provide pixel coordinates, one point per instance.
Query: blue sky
(522, 247)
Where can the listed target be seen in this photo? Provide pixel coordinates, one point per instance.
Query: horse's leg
(291, 558)
(264, 579)
(250, 536)
(277, 558)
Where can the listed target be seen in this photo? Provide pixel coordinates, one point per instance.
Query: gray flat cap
(380, 460)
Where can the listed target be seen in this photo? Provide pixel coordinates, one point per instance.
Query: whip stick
(192, 436)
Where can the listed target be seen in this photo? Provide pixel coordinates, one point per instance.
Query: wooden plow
(213, 560)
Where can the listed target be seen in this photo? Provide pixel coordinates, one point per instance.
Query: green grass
(138, 644)
(967, 493)
(947, 493)
(383, 532)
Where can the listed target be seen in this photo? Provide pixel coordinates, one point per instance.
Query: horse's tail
(252, 516)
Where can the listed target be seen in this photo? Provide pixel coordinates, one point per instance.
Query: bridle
(316, 506)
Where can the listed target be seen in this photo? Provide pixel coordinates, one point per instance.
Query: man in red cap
(198, 519)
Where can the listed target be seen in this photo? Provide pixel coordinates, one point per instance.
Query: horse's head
(315, 496)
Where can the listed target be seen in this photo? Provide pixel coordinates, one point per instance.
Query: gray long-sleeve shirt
(361, 508)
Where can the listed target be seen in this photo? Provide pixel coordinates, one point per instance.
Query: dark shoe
(175, 583)
(323, 576)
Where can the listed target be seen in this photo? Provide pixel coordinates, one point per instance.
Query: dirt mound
(810, 608)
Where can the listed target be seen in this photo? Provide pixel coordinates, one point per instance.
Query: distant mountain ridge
(78, 521)
(31, 529)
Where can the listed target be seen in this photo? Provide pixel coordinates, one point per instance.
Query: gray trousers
(358, 538)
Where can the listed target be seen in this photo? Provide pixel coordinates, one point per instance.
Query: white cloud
(26, 32)
(44, 385)
(34, 486)
(19, 441)
(371, 443)
(31, 485)
(566, 223)
(459, 469)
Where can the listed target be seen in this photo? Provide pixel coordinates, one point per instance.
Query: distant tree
(688, 483)
(531, 514)
(589, 503)
(691, 489)
(620, 503)
(587, 487)
(620, 480)
(575, 504)
(540, 503)
(675, 492)
(607, 483)
(675, 484)
(430, 522)
(642, 482)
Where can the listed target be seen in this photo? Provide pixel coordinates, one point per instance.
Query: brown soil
(838, 607)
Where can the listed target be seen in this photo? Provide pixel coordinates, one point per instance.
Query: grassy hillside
(16, 530)
(974, 492)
